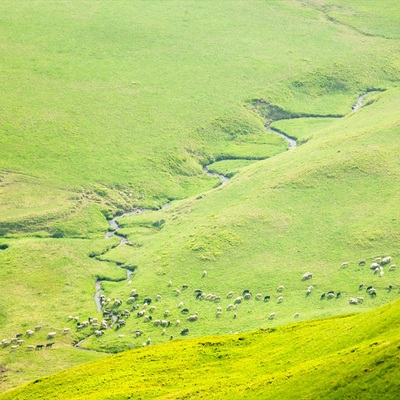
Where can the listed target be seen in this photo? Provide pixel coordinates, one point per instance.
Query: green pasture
(344, 357)
(111, 105)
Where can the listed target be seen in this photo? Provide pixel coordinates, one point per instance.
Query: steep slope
(337, 358)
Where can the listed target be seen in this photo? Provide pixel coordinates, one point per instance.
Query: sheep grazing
(158, 297)
(184, 287)
(272, 315)
(177, 292)
(184, 331)
(218, 314)
(164, 331)
(378, 260)
(185, 311)
(381, 273)
(238, 300)
(152, 309)
(362, 262)
(38, 328)
(353, 300)
(330, 295)
(30, 347)
(308, 292)
(280, 299)
(204, 274)
(141, 313)
(166, 313)
(360, 300)
(345, 264)
(51, 335)
(170, 283)
(229, 307)
(49, 345)
(66, 330)
(247, 296)
(390, 287)
(148, 341)
(267, 298)
(338, 294)
(322, 296)
(70, 317)
(178, 321)
(392, 267)
(234, 315)
(386, 260)
(192, 318)
(307, 276)
(361, 285)
(372, 292)
(310, 288)
(280, 288)
(131, 300)
(14, 347)
(20, 341)
(229, 295)
(133, 292)
(296, 315)
(121, 335)
(258, 296)
(374, 266)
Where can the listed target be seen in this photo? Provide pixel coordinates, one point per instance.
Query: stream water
(292, 143)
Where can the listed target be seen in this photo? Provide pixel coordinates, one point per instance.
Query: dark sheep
(323, 296)
(185, 311)
(147, 300)
(198, 296)
(338, 294)
(267, 298)
(245, 291)
(184, 287)
(369, 288)
(39, 346)
(184, 331)
(49, 345)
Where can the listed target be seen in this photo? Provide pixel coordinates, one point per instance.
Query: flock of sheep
(147, 310)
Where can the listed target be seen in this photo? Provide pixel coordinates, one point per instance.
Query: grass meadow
(360, 360)
(109, 106)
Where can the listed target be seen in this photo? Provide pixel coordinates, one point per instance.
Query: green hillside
(112, 106)
(337, 358)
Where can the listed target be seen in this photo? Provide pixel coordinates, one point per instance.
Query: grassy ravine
(118, 104)
(345, 357)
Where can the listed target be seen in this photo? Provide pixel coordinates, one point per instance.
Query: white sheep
(280, 288)
(218, 314)
(272, 315)
(177, 322)
(180, 304)
(386, 260)
(51, 335)
(258, 296)
(345, 264)
(392, 267)
(306, 276)
(238, 300)
(158, 297)
(229, 295)
(66, 330)
(296, 315)
(280, 299)
(170, 283)
(30, 347)
(204, 273)
(230, 307)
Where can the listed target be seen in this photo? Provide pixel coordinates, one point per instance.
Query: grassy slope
(337, 358)
(74, 119)
(309, 209)
(82, 134)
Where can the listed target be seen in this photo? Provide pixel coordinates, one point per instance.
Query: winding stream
(292, 144)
